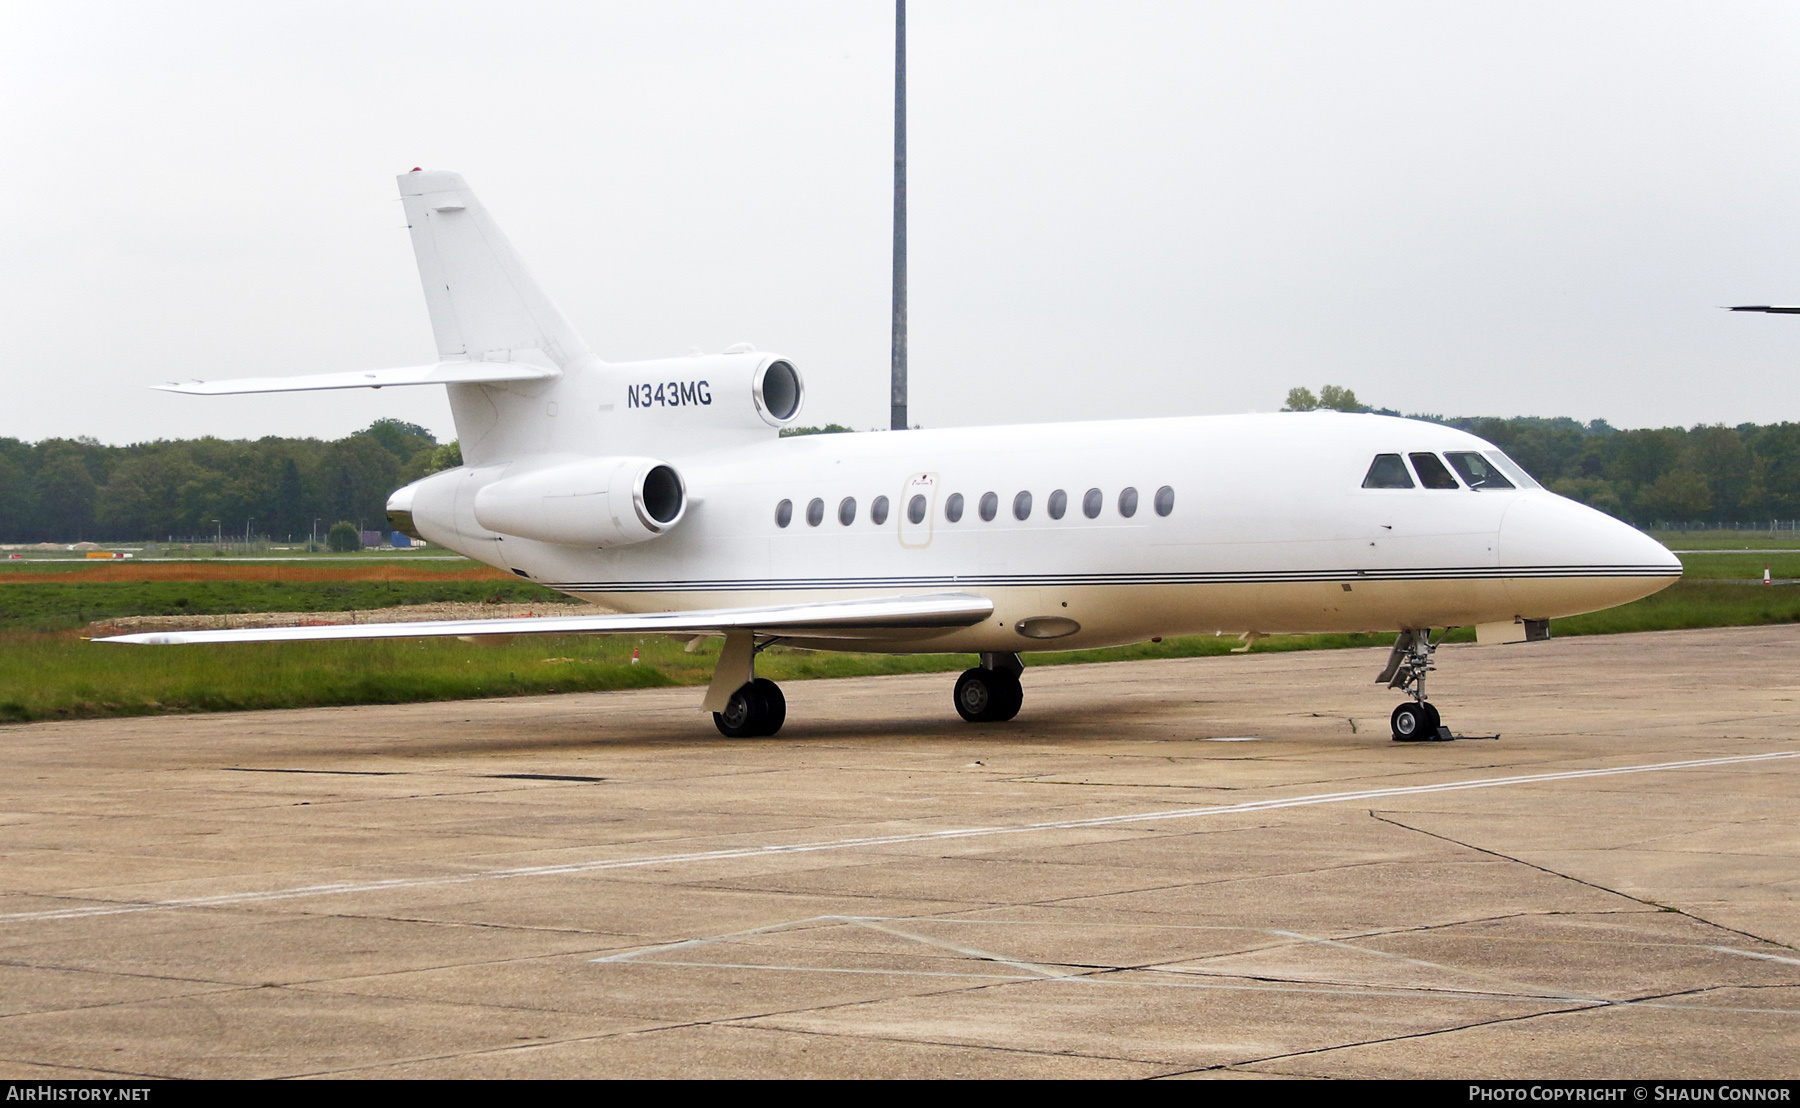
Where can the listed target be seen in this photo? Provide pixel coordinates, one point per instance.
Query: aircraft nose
(1575, 559)
(1544, 529)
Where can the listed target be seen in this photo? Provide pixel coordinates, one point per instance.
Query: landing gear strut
(1407, 666)
(990, 693)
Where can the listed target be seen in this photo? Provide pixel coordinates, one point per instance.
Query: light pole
(897, 420)
(315, 541)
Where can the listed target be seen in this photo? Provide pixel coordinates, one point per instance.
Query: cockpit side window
(1512, 469)
(1388, 472)
(1432, 473)
(1477, 471)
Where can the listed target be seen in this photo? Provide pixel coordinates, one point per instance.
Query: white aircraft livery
(662, 491)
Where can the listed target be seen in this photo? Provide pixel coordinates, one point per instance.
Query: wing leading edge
(846, 619)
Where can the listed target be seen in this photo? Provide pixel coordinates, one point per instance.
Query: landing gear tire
(774, 705)
(1414, 721)
(988, 695)
(756, 709)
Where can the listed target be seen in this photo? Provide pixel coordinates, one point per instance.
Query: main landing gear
(1406, 668)
(990, 693)
(756, 710)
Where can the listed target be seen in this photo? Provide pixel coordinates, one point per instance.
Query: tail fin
(482, 301)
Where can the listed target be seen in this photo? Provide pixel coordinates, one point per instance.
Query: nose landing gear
(1413, 722)
(1407, 666)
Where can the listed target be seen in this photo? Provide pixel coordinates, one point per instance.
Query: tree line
(66, 490)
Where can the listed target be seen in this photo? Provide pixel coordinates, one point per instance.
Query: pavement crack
(1470, 1026)
(1658, 906)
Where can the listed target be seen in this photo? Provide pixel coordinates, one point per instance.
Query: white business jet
(661, 490)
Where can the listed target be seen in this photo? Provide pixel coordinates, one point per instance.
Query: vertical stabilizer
(485, 307)
(482, 301)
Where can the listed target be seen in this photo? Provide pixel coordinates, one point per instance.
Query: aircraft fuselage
(1269, 529)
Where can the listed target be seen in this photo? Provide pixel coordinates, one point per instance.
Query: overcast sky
(1118, 209)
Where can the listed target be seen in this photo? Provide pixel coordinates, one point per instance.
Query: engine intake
(777, 390)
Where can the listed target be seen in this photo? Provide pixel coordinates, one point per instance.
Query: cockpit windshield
(1432, 473)
(1478, 471)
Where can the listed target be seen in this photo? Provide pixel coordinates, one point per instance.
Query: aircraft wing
(439, 373)
(846, 619)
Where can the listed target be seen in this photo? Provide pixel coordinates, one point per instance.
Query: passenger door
(917, 509)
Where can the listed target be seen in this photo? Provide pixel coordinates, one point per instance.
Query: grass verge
(58, 607)
(1727, 540)
(56, 675)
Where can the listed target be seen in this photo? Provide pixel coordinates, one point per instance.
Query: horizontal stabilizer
(847, 619)
(441, 373)
(1776, 309)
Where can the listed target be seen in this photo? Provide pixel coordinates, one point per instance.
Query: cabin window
(953, 508)
(990, 506)
(1432, 473)
(1022, 506)
(915, 509)
(847, 510)
(1476, 471)
(1058, 505)
(1388, 472)
(1165, 500)
(878, 510)
(784, 513)
(1092, 502)
(1128, 502)
(815, 512)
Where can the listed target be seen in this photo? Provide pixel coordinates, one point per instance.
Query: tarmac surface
(1208, 867)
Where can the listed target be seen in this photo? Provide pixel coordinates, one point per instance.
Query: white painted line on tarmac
(963, 949)
(708, 940)
(768, 850)
(1756, 954)
(1509, 984)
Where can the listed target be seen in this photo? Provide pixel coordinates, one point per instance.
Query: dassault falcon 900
(662, 491)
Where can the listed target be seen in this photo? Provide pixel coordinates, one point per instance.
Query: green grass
(1728, 540)
(56, 675)
(47, 675)
(1738, 565)
(1690, 604)
(435, 557)
(59, 676)
(54, 606)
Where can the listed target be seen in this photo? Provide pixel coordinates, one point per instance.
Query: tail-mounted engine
(703, 402)
(592, 502)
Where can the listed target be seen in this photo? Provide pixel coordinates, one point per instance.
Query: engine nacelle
(703, 402)
(591, 502)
